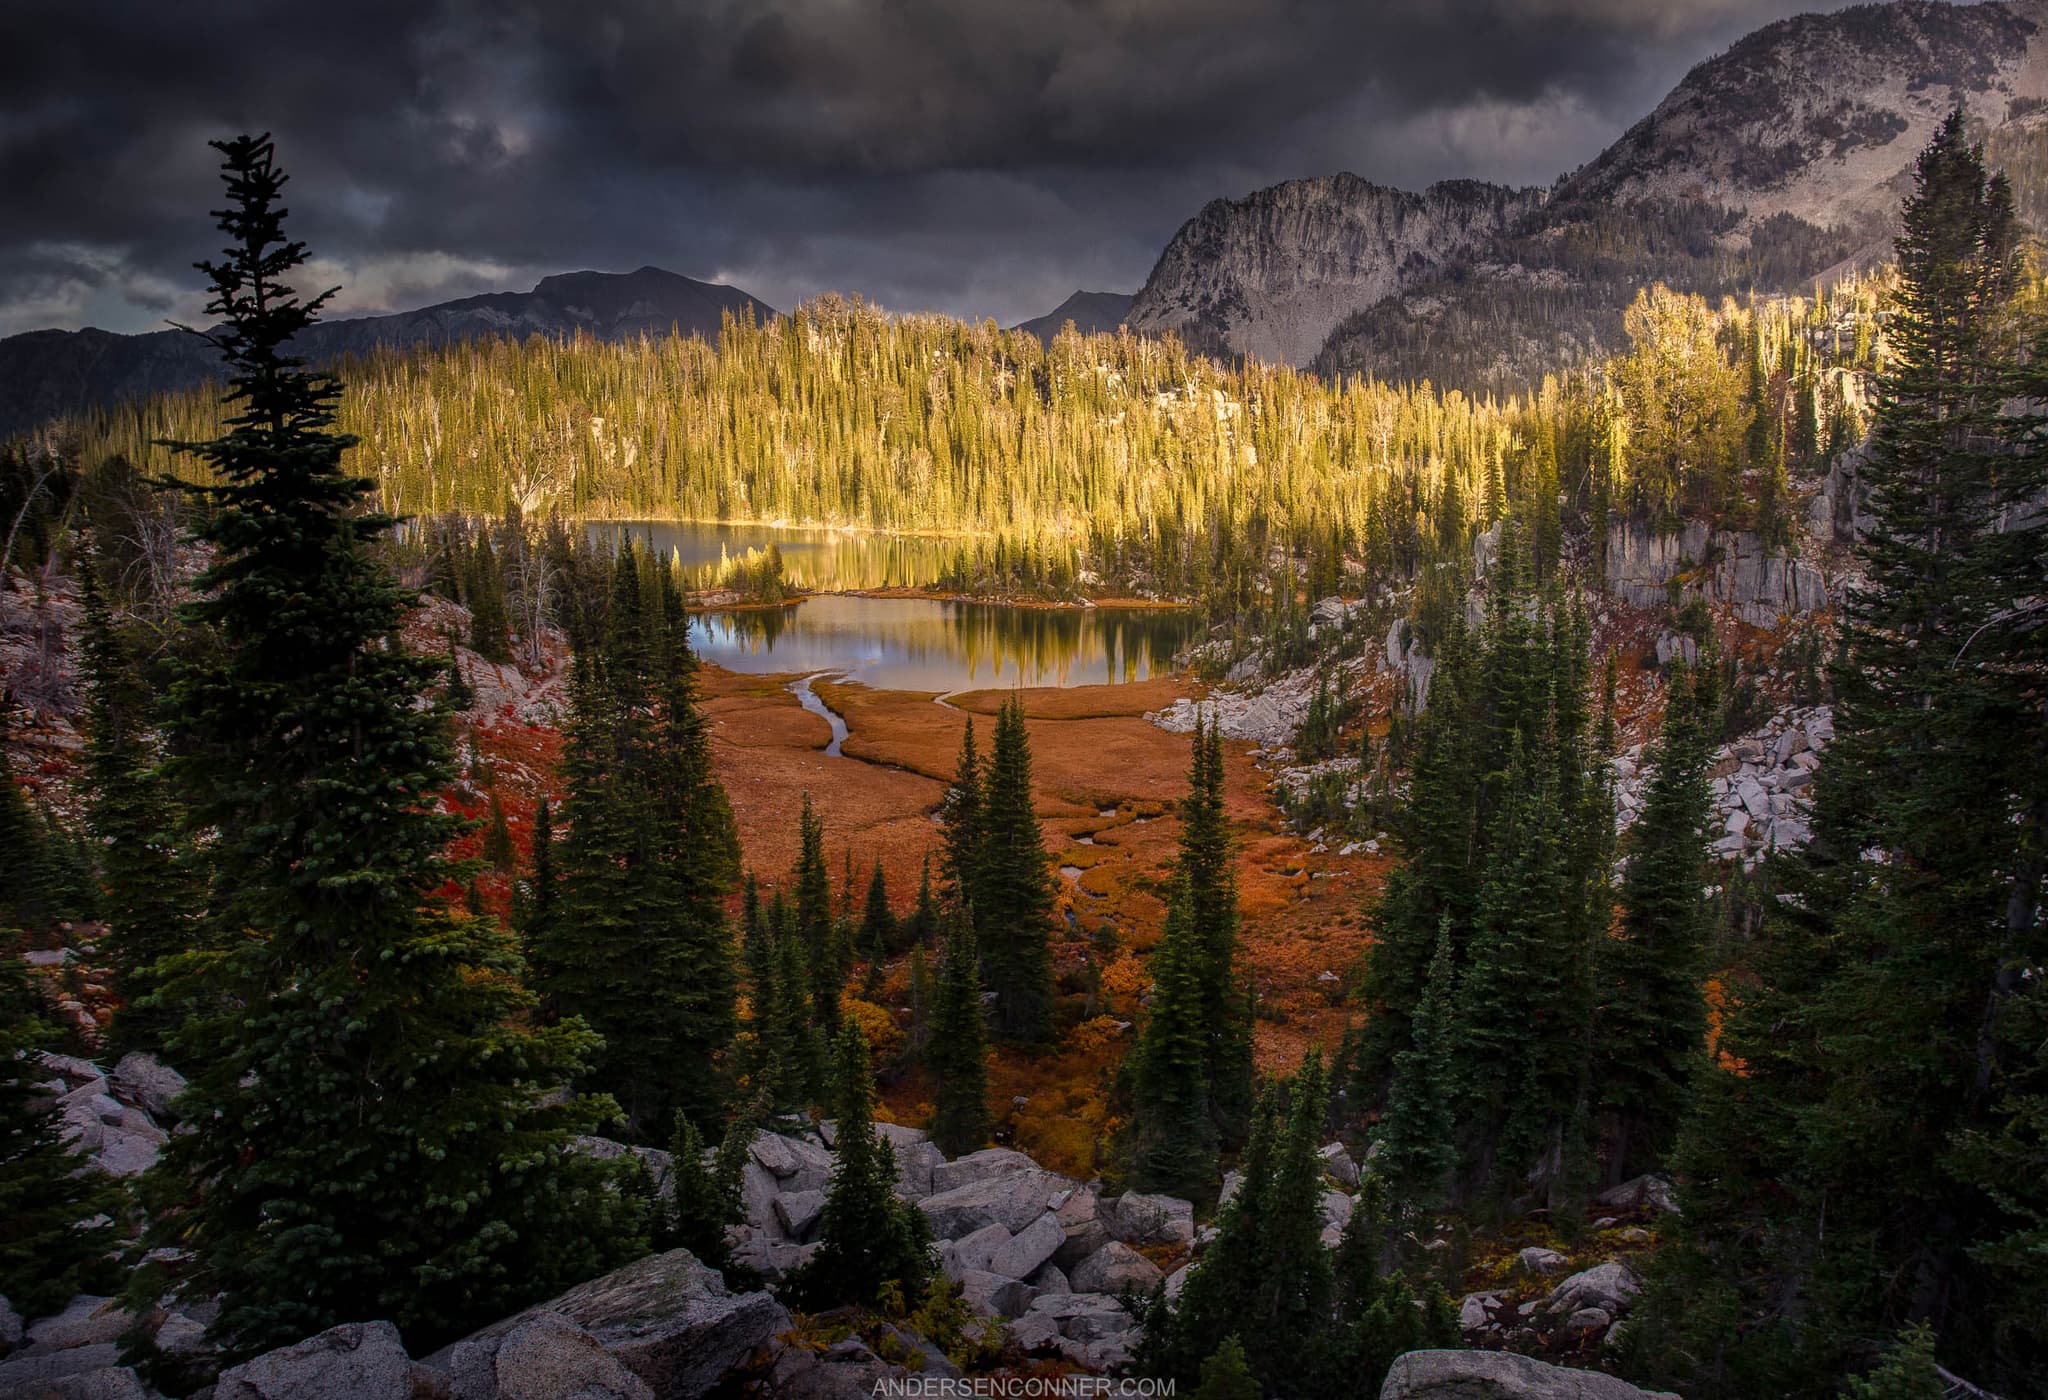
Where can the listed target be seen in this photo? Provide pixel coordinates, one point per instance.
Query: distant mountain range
(48, 374)
(1091, 313)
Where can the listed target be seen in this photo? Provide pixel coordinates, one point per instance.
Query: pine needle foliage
(372, 1130)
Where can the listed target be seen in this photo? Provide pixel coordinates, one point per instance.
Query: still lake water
(932, 645)
(919, 644)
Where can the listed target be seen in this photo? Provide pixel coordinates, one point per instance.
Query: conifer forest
(695, 850)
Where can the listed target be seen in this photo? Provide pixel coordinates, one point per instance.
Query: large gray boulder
(1656, 1192)
(1136, 1218)
(916, 1158)
(362, 1360)
(546, 1357)
(85, 1320)
(1080, 1216)
(1012, 1201)
(1611, 1287)
(10, 1326)
(151, 1085)
(1021, 1255)
(992, 1295)
(106, 1383)
(668, 1319)
(979, 1166)
(1499, 1375)
(1115, 1268)
(796, 1163)
(38, 1372)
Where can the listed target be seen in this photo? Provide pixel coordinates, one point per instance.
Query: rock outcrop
(1272, 274)
(667, 1319)
(1499, 1375)
(362, 1360)
(1730, 567)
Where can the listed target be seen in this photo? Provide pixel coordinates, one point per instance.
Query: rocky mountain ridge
(1775, 163)
(50, 374)
(1093, 313)
(1271, 275)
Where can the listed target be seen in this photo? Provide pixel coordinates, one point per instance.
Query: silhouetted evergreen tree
(368, 1130)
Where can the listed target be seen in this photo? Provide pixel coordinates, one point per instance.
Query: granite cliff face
(1270, 275)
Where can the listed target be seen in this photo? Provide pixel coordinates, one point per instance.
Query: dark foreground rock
(362, 1360)
(668, 1319)
(1500, 1375)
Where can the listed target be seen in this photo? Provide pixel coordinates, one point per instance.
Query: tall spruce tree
(1171, 1143)
(960, 819)
(878, 927)
(1210, 884)
(824, 947)
(956, 1048)
(1418, 1152)
(1267, 1276)
(371, 1133)
(1013, 912)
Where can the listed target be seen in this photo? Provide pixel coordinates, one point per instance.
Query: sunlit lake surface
(931, 645)
(919, 644)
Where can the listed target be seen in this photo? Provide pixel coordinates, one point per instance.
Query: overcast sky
(979, 157)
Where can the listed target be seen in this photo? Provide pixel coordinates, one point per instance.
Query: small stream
(808, 698)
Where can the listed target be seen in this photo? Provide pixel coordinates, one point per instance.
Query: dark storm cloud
(966, 155)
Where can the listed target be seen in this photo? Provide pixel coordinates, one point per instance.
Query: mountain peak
(1091, 312)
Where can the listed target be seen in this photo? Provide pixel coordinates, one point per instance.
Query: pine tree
(824, 950)
(1226, 1375)
(47, 1251)
(1651, 1024)
(878, 930)
(537, 904)
(1211, 891)
(649, 856)
(868, 1238)
(924, 920)
(703, 1198)
(1172, 1139)
(368, 1131)
(956, 1049)
(1872, 1024)
(489, 628)
(1267, 1276)
(1379, 1315)
(1418, 1151)
(960, 819)
(150, 895)
(1014, 909)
